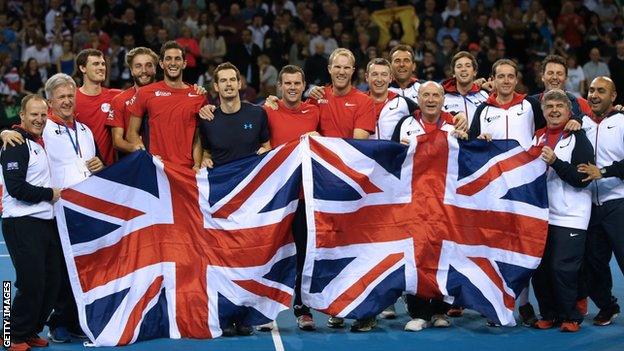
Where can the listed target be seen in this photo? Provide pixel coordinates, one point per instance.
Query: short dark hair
(554, 59)
(171, 44)
(501, 62)
(222, 67)
(378, 61)
(556, 95)
(83, 57)
(29, 97)
(464, 54)
(290, 69)
(402, 47)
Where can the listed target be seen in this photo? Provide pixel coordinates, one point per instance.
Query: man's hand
(207, 112)
(460, 134)
(56, 194)
(572, 126)
(199, 90)
(318, 92)
(485, 136)
(314, 133)
(461, 122)
(138, 146)
(548, 155)
(11, 137)
(271, 102)
(487, 85)
(592, 171)
(405, 141)
(262, 150)
(94, 165)
(207, 162)
(618, 107)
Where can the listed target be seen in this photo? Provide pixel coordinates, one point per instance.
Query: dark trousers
(65, 312)
(418, 307)
(605, 236)
(35, 251)
(555, 282)
(300, 234)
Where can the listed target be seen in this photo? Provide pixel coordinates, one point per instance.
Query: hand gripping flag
(154, 250)
(463, 221)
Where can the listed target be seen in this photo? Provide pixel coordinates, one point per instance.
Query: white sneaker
(440, 321)
(416, 324)
(265, 327)
(388, 313)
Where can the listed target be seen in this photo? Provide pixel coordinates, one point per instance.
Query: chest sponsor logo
(323, 101)
(192, 95)
(451, 107)
(130, 101)
(348, 104)
(105, 107)
(247, 126)
(491, 118)
(162, 93)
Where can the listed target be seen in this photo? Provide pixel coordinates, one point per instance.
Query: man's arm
(120, 143)
(14, 161)
(134, 125)
(360, 134)
(197, 150)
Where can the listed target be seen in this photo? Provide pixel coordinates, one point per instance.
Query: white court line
(1, 242)
(277, 339)
(5, 256)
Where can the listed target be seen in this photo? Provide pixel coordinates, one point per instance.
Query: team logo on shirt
(451, 107)
(131, 101)
(491, 119)
(323, 101)
(105, 107)
(247, 126)
(12, 166)
(347, 104)
(162, 93)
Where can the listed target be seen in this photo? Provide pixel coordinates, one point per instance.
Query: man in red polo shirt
(93, 101)
(142, 63)
(171, 107)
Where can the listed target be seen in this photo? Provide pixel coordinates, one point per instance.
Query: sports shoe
(229, 330)
(544, 324)
(59, 335)
(364, 325)
(527, 315)
(244, 330)
(581, 306)
(607, 315)
(455, 311)
(492, 324)
(265, 327)
(570, 327)
(36, 341)
(335, 322)
(305, 322)
(416, 324)
(440, 321)
(77, 333)
(388, 313)
(19, 346)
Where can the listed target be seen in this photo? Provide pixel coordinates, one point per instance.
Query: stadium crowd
(373, 70)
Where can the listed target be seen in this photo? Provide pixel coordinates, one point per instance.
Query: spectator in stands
(576, 83)
(571, 25)
(191, 49)
(212, 45)
(245, 57)
(451, 9)
(268, 76)
(595, 67)
(82, 36)
(430, 14)
(40, 52)
(449, 29)
(316, 66)
(258, 30)
(429, 69)
(31, 77)
(299, 49)
(325, 37)
(616, 67)
(232, 26)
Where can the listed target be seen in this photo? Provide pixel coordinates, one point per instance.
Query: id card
(81, 166)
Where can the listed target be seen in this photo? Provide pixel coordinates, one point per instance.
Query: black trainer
(607, 315)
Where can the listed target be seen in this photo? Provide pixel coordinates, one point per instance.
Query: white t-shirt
(575, 77)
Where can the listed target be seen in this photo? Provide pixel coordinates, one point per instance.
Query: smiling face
(601, 95)
(143, 70)
(505, 80)
(95, 69)
(402, 66)
(554, 76)
(557, 113)
(341, 70)
(378, 78)
(34, 116)
(173, 64)
(227, 84)
(464, 71)
(292, 86)
(430, 100)
(63, 101)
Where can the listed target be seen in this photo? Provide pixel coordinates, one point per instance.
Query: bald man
(605, 129)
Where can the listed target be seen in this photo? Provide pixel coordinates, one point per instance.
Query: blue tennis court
(466, 333)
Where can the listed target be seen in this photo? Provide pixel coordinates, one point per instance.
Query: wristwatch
(603, 171)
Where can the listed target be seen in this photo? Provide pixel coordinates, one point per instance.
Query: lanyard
(422, 124)
(556, 142)
(76, 144)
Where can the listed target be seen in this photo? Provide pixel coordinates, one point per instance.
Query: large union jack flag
(463, 221)
(154, 250)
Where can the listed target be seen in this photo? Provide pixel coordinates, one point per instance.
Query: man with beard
(93, 100)
(142, 63)
(605, 129)
(171, 107)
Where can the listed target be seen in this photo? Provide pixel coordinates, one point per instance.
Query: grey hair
(56, 81)
(435, 84)
(556, 95)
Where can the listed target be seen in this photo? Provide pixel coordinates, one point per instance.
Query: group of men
(91, 126)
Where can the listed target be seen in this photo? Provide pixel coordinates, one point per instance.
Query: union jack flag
(465, 221)
(154, 250)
